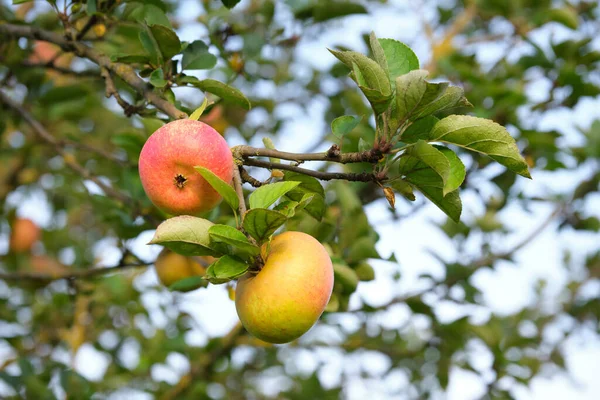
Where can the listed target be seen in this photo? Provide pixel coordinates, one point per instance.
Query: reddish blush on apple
(167, 164)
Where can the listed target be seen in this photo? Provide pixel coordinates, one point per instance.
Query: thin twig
(96, 150)
(324, 176)
(333, 155)
(88, 25)
(237, 184)
(478, 264)
(111, 91)
(124, 71)
(246, 177)
(484, 261)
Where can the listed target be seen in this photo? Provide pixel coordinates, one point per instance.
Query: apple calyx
(180, 181)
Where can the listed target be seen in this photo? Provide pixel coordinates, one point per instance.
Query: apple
(167, 165)
(288, 295)
(23, 235)
(172, 267)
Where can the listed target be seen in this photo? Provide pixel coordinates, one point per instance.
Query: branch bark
(237, 184)
(111, 91)
(325, 176)
(333, 155)
(124, 71)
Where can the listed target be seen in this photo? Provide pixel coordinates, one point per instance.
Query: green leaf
(261, 223)
(63, 93)
(308, 186)
(151, 125)
(228, 93)
(148, 13)
(326, 10)
(362, 249)
(365, 272)
(225, 269)
(222, 187)
(457, 170)
(13, 381)
(451, 98)
(343, 125)
(420, 129)
(148, 43)
(231, 236)
(379, 101)
(157, 79)
(266, 195)
(287, 208)
(185, 235)
(363, 145)
(230, 3)
(346, 277)
(130, 58)
(374, 76)
(21, 1)
(188, 284)
(198, 112)
(483, 136)
(196, 56)
(413, 92)
(379, 53)
(429, 182)
(404, 188)
(400, 58)
(435, 160)
(167, 40)
(566, 16)
(270, 145)
(91, 7)
(132, 142)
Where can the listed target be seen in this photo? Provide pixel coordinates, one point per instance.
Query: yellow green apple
(171, 267)
(288, 295)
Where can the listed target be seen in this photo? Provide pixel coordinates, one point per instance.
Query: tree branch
(246, 177)
(124, 71)
(484, 261)
(88, 25)
(477, 264)
(325, 176)
(111, 90)
(333, 155)
(81, 274)
(237, 184)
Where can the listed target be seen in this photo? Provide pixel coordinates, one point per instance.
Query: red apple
(23, 235)
(167, 165)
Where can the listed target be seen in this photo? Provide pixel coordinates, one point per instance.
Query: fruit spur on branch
(286, 281)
